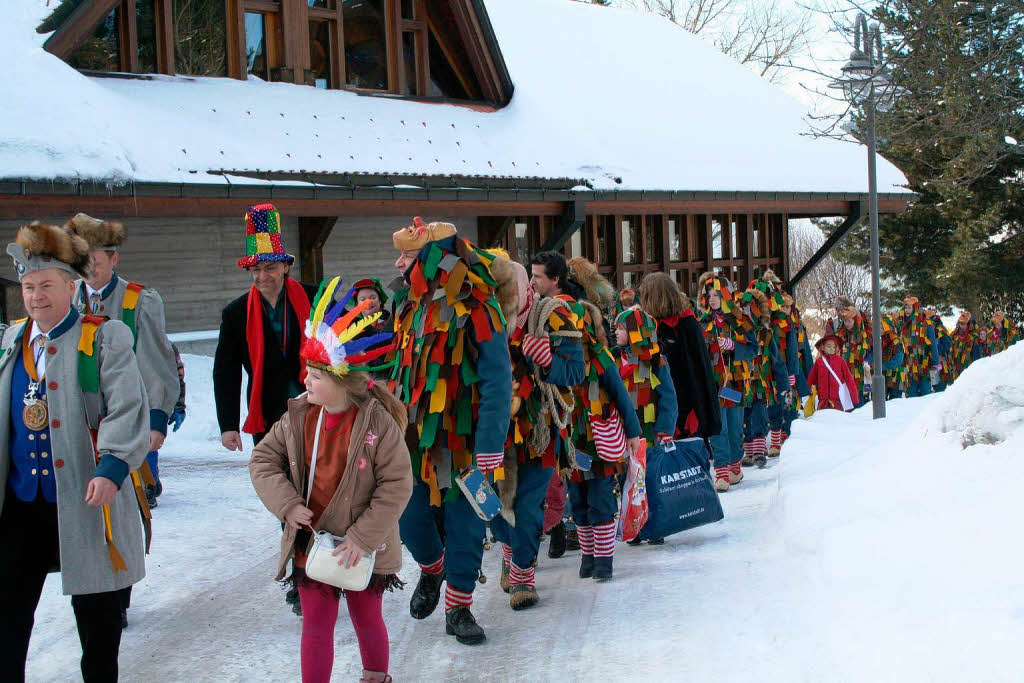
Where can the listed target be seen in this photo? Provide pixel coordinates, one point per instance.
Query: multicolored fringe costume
(856, 348)
(647, 377)
(771, 378)
(920, 347)
(547, 361)
(893, 355)
(602, 395)
(1001, 335)
(733, 369)
(453, 371)
(967, 346)
(944, 342)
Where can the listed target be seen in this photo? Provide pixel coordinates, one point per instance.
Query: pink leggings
(320, 614)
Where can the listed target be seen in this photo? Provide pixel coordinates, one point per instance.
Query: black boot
(459, 622)
(656, 541)
(556, 547)
(587, 567)
(291, 597)
(635, 541)
(572, 539)
(124, 618)
(425, 597)
(602, 568)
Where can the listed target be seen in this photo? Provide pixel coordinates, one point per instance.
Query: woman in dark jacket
(683, 346)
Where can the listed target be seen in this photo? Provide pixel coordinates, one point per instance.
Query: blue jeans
(593, 501)
(463, 546)
(524, 537)
(727, 445)
(755, 422)
(154, 466)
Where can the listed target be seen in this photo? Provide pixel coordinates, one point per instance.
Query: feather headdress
(333, 338)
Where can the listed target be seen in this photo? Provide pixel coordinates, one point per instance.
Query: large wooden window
(199, 38)
(102, 50)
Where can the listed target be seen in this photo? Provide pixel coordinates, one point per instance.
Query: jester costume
(893, 355)
(855, 332)
(920, 347)
(1001, 334)
(967, 346)
(945, 343)
(600, 398)
(647, 377)
(770, 380)
(547, 361)
(732, 342)
(782, 367)
(798, 355)
(452, 369)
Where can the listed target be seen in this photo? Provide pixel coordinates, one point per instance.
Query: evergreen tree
(953, 134)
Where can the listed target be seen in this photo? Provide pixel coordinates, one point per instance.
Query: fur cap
(503, 270)
(99, 234)
(599, 291)
(39, 246)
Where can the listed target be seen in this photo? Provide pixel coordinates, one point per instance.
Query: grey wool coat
(123, 433)
(156, 359)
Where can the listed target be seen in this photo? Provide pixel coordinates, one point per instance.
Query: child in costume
(454, 374)
(920, 347)
(821, 378)
(797, 354)
(547, 361)
(769, 379)
(732, 343)
(648, 379)
(780, 370)
(370, 289)
(337, 461)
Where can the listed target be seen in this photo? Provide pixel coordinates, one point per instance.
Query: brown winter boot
(374, 677)
(505, 582)
(735, 474)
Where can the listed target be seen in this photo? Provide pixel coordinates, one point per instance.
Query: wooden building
(653, 153)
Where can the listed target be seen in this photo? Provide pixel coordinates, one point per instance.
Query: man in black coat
(262, 327)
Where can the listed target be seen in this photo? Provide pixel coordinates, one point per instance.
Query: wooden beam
(77, 28)
(812, 207)
(749, 256)
(129, 31)
(234, 16)
(572, 218)
(480, 58)
(163, 9)
(313, 234)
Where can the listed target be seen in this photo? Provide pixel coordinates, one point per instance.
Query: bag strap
(128, 305)
(89, 369)
(316, 452)
(832, 372)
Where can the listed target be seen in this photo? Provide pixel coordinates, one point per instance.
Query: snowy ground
(874, 551)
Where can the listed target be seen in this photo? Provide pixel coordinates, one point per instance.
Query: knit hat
(829, 337)
(105, 235)
(711, 282)
(371, 283)
(39, 246)
(418, 235)
(643, 332)
(263, 237)
(330, 341)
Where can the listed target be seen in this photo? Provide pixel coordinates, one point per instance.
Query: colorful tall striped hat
(263, 237)
(333, 338)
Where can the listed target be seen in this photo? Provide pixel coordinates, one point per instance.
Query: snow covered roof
(612, 98)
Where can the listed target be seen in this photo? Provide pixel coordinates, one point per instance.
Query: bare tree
(830, 279)
(758, 33)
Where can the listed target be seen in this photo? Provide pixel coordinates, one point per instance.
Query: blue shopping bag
(680, 493)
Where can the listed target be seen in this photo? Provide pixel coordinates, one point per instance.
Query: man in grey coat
(105, 294)
(67, 506)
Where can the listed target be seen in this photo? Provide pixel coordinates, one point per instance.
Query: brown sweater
(372, 491)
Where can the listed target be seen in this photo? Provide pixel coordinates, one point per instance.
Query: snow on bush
(984, 406)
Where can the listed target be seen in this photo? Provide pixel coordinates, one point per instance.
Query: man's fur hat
(599, 291)
(39, 246)
(503, 270)
(107, 235)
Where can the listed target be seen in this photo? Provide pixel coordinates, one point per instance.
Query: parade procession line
(832, 565)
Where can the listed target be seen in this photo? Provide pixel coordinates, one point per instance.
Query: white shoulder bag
(845, 399)
(321, 565)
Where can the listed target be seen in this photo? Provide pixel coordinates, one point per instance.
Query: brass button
(33, 471)
(45, 472)
(31, 437)
(32, 455)
(44, 454)
(41, 436)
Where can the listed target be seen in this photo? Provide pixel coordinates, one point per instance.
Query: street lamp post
(864, 83)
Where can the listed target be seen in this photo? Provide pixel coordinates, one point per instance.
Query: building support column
(313, 234)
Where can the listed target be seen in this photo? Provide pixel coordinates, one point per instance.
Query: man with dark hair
(602, 401)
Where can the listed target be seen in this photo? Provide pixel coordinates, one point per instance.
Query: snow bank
(984, 406)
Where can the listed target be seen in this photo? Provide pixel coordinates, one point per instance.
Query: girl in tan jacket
(362, 482)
